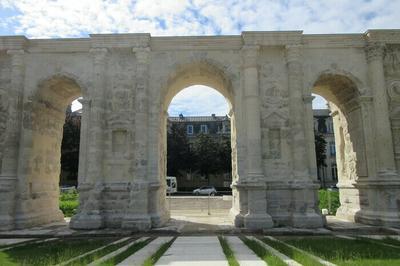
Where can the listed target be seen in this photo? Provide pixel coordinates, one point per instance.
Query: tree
(320, 151)
(179, 154)
(70, 147)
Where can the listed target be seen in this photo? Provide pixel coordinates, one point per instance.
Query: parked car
(206, 190)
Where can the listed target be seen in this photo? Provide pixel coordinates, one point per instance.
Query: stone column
(89, 214)
(85, 118)
(297, 112)
(254, 182)
(304, 189)
(383, 133)
(9, 169)
(312, 161)
(138, 218)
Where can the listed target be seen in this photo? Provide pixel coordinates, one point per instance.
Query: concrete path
(194, 251)
(141, 255)
(244, 255)
(11, 241)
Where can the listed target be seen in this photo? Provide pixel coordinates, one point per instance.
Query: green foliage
(324, 200)
(69, 202)
(206, 154)
(228, 252)
(320, 149)
(70, 147)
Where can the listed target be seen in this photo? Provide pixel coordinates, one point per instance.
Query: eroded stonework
(127, 81)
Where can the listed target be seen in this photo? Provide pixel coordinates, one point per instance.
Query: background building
(323, 124)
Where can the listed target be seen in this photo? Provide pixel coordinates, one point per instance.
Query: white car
(206, 190)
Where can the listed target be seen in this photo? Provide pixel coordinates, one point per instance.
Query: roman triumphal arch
(126, 82)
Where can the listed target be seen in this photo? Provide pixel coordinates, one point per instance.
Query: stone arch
(206, 72)
(344, 91)
(198, 72)
(43, 121)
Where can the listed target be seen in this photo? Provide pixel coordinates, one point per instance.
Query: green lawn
(346, 251)
(50, 253)
(230, 256)
(292, 253)
(261, 252)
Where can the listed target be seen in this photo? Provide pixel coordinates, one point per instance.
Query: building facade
(323, 125)
(127, 82)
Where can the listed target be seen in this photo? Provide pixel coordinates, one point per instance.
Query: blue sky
(78, 18)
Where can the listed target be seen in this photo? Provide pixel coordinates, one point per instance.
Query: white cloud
(73, 18)
(198, 100)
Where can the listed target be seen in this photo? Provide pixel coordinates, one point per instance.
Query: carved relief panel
(274, 121)
(393, 88)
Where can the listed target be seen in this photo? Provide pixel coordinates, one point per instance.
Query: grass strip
(50, 253)
(125, 254)
(157, 255)
(291, 253)
(346, 251)
(391, 241)
(228, 252)
(98, 254)
(261, 252)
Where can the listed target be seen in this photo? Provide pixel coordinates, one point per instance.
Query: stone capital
(250, 55)
(374, 51)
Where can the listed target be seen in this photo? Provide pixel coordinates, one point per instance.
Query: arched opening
(203, 179)
(44, 132)
(345, 157)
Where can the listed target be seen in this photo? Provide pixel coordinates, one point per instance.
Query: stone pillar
(9, 169)
(304, 189)
(254, 182)
(89, 214)
(85, 118)
(138, 218)
(383, 133)
(312, 161)
(297, 112)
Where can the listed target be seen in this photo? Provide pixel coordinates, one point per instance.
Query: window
(203, 129)
(334, 171)
(332, 148)
(189, 129)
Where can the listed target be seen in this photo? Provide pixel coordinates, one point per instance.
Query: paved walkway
(244, 255)
(194, 251)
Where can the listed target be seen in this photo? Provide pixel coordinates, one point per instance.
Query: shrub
(69, 202)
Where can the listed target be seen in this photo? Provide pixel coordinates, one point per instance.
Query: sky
(78, 18)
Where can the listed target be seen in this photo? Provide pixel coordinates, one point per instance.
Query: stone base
(32, 219)
(236, 217)
(86, 221)
(159, 220)
(258, 221)
(387, 219)
(346, 214)
(308, 220)
(136, 223)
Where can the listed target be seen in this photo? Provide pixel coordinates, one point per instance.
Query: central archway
(198, 73)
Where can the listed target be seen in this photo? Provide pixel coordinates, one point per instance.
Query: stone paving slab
(244, 255)
(141, 255)
(194, 251)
